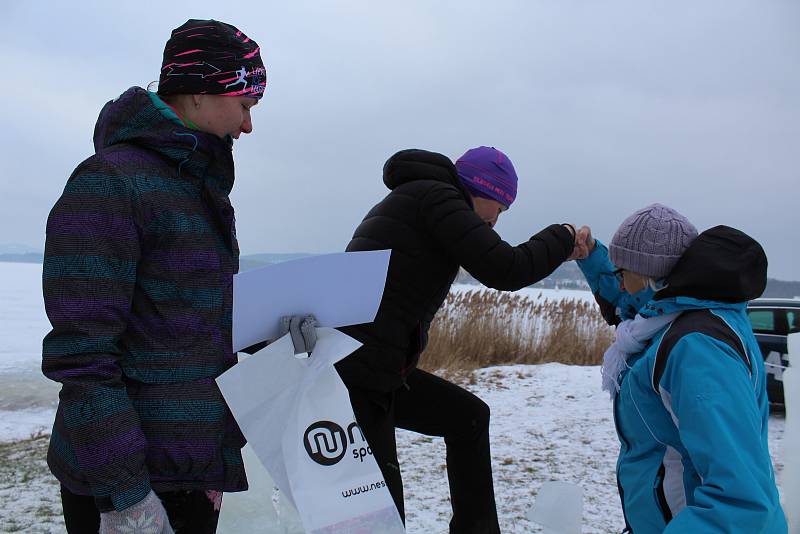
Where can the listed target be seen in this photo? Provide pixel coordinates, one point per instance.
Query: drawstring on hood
(194, 148)
(141, 118)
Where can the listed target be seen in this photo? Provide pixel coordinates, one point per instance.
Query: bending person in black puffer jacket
(439, 217)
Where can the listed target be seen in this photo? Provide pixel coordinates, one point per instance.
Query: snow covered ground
(549, 422)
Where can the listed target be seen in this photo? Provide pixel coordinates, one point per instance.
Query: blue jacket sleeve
(615, 304)
(711, 394)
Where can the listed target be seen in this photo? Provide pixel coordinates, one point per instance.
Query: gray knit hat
(651, 241)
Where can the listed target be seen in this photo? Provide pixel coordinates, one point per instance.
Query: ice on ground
(24, 424)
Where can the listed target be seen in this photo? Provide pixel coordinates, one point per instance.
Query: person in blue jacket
(686, 375)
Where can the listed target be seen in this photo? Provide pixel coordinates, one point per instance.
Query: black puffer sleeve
(480, 250)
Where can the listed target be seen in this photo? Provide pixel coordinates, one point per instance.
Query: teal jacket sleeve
(615, 304)
(723, 430)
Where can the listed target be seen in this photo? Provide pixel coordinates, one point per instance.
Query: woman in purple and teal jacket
(138, 273)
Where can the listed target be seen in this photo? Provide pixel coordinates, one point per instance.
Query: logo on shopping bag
(325, 442)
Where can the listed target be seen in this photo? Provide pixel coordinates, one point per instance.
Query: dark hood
(414, 164)
(722, 264)
(134, 119)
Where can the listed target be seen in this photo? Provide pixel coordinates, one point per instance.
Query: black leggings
(189, 512)
(435, 407)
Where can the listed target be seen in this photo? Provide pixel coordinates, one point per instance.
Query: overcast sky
(604, 107)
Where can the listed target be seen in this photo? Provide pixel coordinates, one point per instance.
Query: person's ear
(197, 100)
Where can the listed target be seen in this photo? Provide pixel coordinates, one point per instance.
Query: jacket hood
(722, 264)
(414, 164)
(138, 117)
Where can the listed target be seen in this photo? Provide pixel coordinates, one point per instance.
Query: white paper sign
(338, 289)
(296, 416)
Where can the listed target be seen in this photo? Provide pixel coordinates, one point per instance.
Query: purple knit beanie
(487, 172)
(651, 241)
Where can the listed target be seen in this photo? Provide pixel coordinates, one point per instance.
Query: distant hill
(566, 276)
(245, 262)
(268, 257)
(781, 289)
(17, 248)
(25, 257)
(569, 276)
(253, 261)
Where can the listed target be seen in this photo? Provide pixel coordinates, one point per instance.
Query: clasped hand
(584, 243)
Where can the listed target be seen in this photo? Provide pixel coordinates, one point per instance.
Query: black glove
(302, 330)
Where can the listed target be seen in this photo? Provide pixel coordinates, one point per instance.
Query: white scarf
(631, 337)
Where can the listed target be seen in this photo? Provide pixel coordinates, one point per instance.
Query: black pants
(435, 407)
(189, 512)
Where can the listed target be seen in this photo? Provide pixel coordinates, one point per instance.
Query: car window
(763, 321)
(793, 320)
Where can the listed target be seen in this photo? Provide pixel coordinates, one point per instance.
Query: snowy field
(549, 422)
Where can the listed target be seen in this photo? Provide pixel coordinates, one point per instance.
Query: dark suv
(772, 321)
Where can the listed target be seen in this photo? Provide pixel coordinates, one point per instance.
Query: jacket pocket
(660, 497)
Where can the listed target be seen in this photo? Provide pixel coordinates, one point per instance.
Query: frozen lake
(27, 398)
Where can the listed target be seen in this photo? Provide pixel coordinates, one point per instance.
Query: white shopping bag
(296, 415)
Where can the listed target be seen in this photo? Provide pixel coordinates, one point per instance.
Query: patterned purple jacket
(138, 273)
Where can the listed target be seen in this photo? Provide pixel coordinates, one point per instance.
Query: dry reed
(481, 328)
